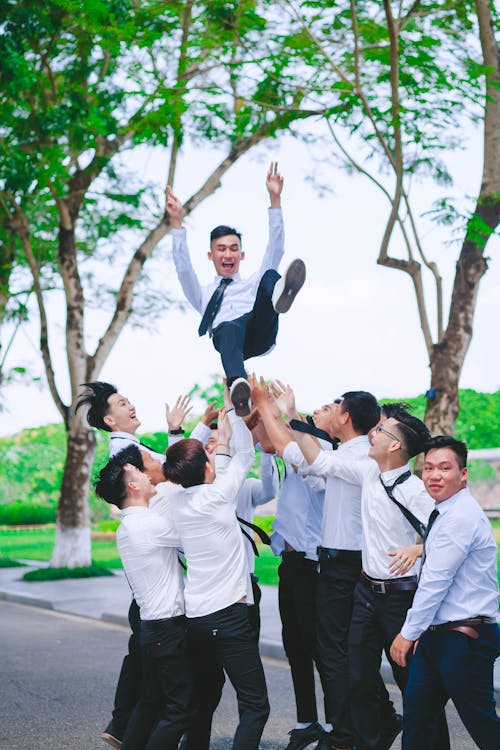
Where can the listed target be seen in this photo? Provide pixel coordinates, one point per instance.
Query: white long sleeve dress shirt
(120, 440)
(459, 577)
(147, 543)
(212, 541)
(239, 296)
(341, 525)
(300, 509)
(384, 526)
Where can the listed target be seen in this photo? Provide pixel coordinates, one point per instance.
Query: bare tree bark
(449, 354)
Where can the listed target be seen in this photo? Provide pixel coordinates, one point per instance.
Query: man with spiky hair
(112, 412)
(147, 543)
(394, 504)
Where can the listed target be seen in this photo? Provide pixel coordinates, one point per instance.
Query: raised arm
(174, 209)
(274, 185)
(278, 432)
(276, 244)
(180, 253)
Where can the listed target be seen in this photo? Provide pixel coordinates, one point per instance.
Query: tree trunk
(448, 355)
(72, 547)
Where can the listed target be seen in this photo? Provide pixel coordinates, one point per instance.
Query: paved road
(58, 676)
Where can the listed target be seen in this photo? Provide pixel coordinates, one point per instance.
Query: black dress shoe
(112, 736)
(390, 730)
(301, 738)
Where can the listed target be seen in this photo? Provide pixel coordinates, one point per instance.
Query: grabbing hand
(285, 398)
(224, 430)
(210, 414)
(404, 559)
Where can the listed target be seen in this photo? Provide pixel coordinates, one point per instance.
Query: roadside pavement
(108, 599)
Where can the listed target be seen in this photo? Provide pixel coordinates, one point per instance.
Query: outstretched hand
(285, 398)
(274, 184)
(174, 209)
(177, 415)
(259, 391)
(210, 414)
(224, 430)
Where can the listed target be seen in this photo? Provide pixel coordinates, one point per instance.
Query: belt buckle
(382, 589)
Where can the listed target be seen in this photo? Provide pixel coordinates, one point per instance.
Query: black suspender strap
(419, 527)
(264, 538)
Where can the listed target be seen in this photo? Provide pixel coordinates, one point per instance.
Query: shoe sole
(294, 281)
(110, 740)
(240, 397)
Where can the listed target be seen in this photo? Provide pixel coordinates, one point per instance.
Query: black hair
(458, 447)
(185, 463)
(96, 398)
(222, 231)
(363, 409)
(391, 406)
(110, 485)
(414, 432)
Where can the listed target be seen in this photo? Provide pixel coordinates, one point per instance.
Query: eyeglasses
(379, 428)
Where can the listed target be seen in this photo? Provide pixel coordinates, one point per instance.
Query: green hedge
(26, 514)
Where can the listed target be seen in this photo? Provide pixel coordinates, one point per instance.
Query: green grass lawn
(37, 544)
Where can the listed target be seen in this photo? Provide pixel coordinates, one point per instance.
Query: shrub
(57, 574)
(22, 513)
(6, 562)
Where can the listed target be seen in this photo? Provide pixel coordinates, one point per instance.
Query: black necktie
(213, 307)
(432, 519)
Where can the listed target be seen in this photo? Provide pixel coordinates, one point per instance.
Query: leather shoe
(327, 742)
(110, 739)
(286, 288)
(301, 738)
(389, 732)
(239, 394)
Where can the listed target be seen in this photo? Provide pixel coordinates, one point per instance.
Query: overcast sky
(353, 326)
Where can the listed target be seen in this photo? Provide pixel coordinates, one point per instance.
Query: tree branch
(24, 234)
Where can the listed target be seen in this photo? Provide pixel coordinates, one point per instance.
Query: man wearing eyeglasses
(382, 596)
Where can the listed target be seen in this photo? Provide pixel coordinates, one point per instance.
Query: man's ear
(209, 473)
(242, 255)
(108, 419)
(209, 255)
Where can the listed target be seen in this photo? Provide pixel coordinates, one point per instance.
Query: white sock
(328, 727)
(303, 724)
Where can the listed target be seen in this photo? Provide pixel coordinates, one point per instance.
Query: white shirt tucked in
(384, 526)
(459, 577)
(341, 526)
(147, 544)
(300, 509)
(211, 538)
(239, 296)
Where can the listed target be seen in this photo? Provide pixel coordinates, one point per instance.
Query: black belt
(407, 583)
(348, 555)
(294, 556)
